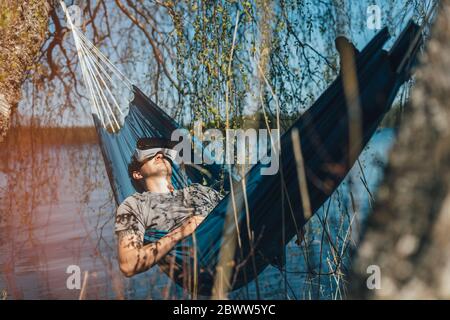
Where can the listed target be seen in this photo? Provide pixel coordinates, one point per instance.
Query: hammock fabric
(324, 138)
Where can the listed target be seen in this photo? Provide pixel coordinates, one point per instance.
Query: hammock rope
(96, 69)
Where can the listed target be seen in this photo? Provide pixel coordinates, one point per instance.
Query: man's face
(157, 166)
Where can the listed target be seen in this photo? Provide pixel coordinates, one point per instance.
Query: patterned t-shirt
(164, 211)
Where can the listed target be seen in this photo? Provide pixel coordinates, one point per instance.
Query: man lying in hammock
(159, 206)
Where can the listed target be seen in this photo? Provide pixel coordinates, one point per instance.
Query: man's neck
(158, 185)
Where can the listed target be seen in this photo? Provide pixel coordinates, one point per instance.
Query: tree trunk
(408, 234)
(23, 29)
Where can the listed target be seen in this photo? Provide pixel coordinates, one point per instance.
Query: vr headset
(142, 155)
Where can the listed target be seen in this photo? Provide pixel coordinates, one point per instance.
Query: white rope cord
(98, 64)
(87, 80)
(108, 77)
(92, 96)
(95, 72)
(96, 69)
(99, 93)
(92, 85)
(87, 57)
(105, 60)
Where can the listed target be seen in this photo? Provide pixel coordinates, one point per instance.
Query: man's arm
(135, 258)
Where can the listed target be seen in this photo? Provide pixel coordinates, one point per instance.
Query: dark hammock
(324, 133)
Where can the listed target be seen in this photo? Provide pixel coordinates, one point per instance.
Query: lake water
(57, 210)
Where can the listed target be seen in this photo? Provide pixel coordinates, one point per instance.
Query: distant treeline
(86, 135)
(52, 135)
(256, 120)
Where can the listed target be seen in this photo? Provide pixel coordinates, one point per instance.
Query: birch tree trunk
(408, 234)
(23, 29)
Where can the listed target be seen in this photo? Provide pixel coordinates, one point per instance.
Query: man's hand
(135, 258)
(188, 227)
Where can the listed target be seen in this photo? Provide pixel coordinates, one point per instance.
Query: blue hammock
(323, 129)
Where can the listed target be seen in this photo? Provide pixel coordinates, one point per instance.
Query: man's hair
(135, 165)
(144, 144)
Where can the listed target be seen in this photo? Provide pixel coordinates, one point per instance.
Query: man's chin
(160, 173)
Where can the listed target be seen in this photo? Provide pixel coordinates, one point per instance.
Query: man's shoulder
(206, 190)
(131, 199)
(130, 202)
(198, 186)
(129, 215)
